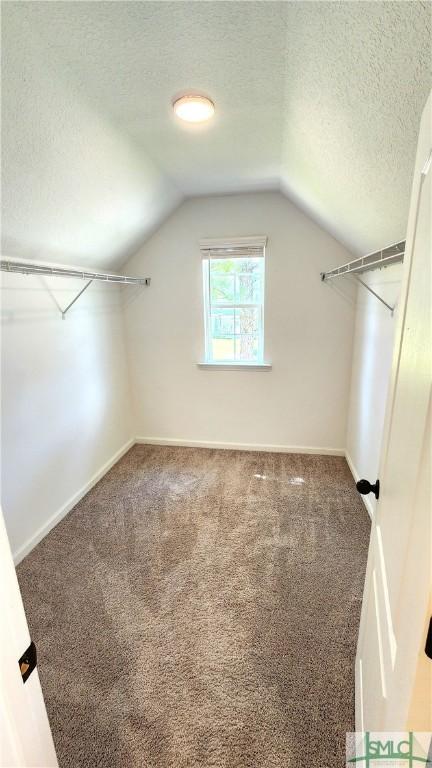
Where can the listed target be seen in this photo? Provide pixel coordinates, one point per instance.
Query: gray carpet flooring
(200, 608)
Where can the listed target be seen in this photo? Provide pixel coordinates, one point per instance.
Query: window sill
(236, 366)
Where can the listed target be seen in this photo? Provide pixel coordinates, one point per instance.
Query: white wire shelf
(392, 254)
(55, 270)
(38, 268)
(383, 258)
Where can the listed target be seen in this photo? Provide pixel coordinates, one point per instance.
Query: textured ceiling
(357, 79)
(320, 99)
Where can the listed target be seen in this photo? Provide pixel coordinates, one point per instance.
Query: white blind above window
(233, 248)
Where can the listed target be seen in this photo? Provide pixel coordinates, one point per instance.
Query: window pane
(234, 331)
(222, 289)
(236, 280)
(248, 288)
(247, 347)
(222, 322)
(222, 266)
(247, 320)
(223, 348)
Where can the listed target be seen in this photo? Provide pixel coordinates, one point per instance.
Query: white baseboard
(240, 446)
(57, 516)
(366, 500)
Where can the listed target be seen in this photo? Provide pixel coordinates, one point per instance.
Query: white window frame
(245, 247)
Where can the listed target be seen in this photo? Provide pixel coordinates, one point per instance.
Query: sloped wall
(75, 188)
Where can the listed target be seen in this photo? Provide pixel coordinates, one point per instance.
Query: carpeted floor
(199, 608)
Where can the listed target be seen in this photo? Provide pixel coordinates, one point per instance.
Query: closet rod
(36, 268)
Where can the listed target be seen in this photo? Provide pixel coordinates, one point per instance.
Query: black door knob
(365, 487)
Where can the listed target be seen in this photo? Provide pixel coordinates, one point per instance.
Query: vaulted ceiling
(319, 99)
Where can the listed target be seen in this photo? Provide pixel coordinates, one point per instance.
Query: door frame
(25, 733)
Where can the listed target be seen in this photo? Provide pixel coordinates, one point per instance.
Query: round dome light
(194, 109)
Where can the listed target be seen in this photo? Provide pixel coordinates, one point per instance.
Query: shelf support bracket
(368, 288)
(64, 311)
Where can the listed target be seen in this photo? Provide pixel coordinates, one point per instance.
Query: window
(233, 279)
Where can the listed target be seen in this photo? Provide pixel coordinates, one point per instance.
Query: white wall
(75, 190)
(65, 398)
(302, 402)
(372, 356)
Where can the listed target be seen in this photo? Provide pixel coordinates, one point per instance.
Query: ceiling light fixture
(194, 109)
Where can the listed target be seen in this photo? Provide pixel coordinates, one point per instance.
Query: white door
(393, 674)
(25, 735)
